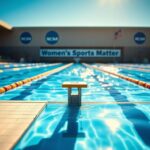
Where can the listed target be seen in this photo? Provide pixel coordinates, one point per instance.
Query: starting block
(74, 99)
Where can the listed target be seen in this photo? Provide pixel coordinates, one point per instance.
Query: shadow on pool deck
(139, 120)
(62, 140)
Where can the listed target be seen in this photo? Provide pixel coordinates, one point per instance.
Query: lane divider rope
(129, 68)
(26, 67)
(25, 81)
(135, 66)
(138, 82)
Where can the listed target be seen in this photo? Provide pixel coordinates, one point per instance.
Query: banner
(44, 52)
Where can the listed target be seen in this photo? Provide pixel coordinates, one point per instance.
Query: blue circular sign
(139, 38)
(25, 38)
(52, 37)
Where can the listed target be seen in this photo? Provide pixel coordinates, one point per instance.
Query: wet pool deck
(15, 118)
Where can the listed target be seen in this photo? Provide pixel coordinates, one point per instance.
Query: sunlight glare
(104, 113)
(111, 69)
(110, 2)
(113, 124)
(109, 148)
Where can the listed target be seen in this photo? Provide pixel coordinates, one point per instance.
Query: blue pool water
(15, 73)
(106, 127)
(101, 87)
(139, 72)
(92, 126)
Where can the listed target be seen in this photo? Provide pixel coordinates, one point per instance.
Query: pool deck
(15, 118)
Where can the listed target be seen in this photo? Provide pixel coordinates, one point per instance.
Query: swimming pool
(114, 114)
(139, 72)
(106, 127)
(15, 72)
(101, 87)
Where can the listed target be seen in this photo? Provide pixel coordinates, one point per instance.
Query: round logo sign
(25, 38)
(139, 38)
(52, 37)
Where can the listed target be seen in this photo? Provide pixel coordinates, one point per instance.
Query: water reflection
(60, 138)
(137, 117)
(82, 128)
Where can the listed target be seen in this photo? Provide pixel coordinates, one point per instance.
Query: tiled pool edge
(7, 141)
(37, 115)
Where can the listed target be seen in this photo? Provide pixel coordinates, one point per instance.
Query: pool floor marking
(15, 118)
(138, 82)
(39, 76)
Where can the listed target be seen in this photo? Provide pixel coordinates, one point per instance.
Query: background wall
(76, 37)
